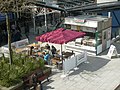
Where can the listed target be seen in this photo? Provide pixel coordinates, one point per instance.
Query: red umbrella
(66, 36)
(45, 37)
(60, 36)
(55, 34)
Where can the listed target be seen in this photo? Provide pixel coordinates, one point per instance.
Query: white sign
(79, 21)
(112, 51)
(5, 50)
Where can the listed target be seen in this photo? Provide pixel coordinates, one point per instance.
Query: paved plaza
(101, 73)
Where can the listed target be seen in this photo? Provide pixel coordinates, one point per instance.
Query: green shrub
(22, 65)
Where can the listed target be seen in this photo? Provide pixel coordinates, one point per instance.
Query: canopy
(60, 36)
(44, 37)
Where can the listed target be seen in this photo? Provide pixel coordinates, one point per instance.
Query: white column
(45, 18)
(34, 26)
(109, 14)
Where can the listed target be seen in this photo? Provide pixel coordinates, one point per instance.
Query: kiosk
(97, 29)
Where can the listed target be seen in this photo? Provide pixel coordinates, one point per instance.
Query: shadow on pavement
(94, 64)
(46, 85)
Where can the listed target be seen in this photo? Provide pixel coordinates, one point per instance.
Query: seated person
(53, 50)
(47, 58)
(42, 54)
(47, 46)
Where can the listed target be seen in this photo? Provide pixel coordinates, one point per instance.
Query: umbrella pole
(61, 56)
(62, 63)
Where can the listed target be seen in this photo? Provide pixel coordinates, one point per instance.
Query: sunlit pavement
(101, 73)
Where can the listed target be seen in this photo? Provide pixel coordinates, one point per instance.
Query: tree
(7, 6)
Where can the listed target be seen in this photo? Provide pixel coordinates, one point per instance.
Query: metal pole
(16, 14)
(45, 18)
(61, 54)
(34, 23)
(53, 21)
(17, 9)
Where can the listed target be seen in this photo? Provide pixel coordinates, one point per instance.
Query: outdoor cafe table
(55, 60)
(34, 45)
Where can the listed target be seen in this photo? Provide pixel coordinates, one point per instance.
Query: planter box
(16, 87)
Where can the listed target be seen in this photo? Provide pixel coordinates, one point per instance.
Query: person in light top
(47, 58)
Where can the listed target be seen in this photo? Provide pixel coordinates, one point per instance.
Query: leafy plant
(11, 74)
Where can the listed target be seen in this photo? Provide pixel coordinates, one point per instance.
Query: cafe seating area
(37, 50)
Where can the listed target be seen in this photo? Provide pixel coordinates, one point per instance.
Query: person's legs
(48, 62)
(35, 85)
(41, 87)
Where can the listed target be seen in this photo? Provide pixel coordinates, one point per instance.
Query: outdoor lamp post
(34, 23)
(34, 26)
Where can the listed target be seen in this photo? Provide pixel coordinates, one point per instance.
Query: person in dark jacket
(53, 50)
(18, 27)
(17, 36)
(47, 46)
(34, 80)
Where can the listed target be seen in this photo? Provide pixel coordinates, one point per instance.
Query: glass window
(68, 26)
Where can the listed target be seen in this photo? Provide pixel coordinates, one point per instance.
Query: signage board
(112, 51)
(79, 20)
